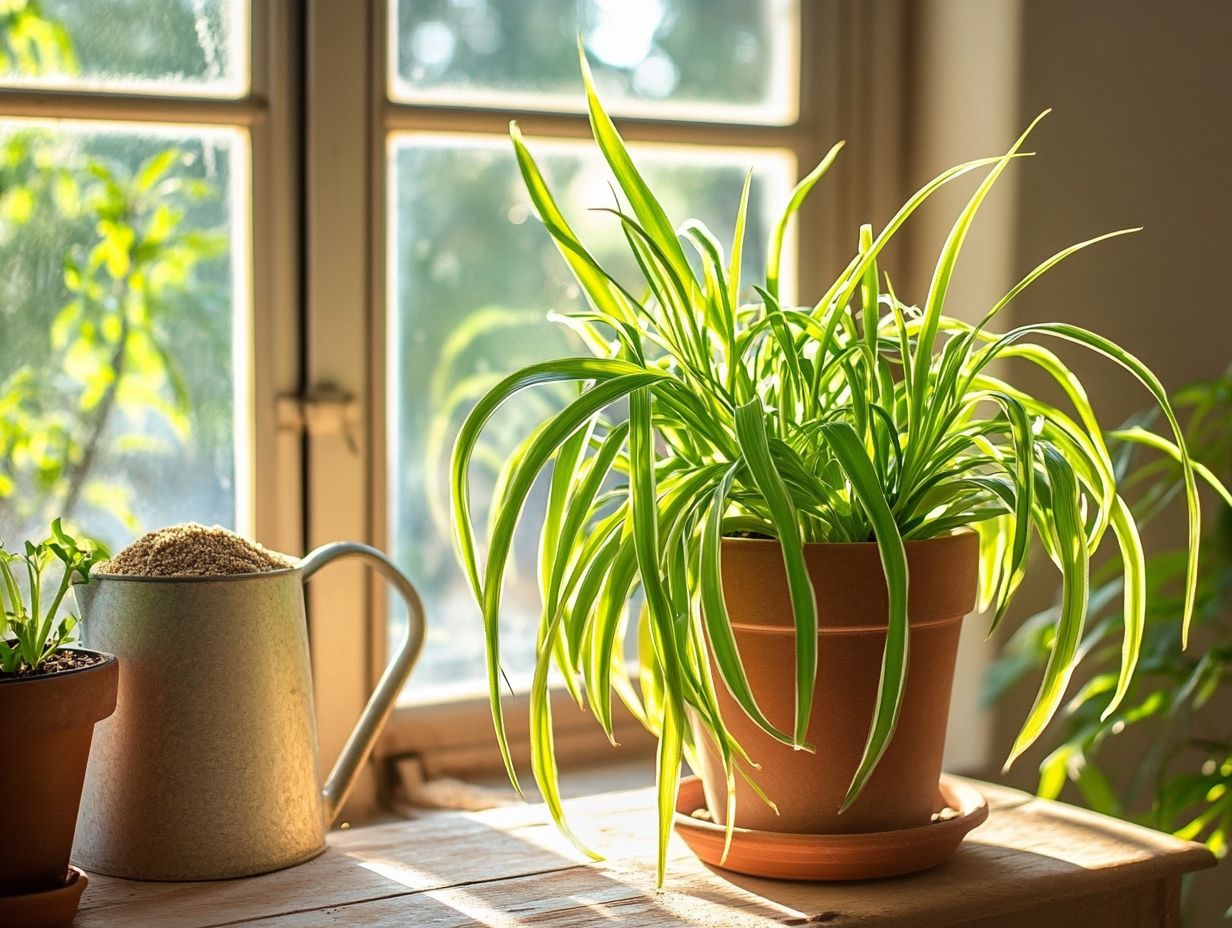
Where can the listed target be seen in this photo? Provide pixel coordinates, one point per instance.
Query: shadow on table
(527, 878)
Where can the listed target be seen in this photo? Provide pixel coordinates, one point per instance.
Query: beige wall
(1140, 135)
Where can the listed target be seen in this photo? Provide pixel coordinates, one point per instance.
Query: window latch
(323, 411)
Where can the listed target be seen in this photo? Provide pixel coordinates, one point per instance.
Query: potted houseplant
(51, 695)
(801, 501)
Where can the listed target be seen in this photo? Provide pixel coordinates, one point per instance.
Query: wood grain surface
(1035, 863)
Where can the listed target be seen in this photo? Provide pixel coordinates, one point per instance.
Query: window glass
(473, 276)
(196, 47)
(120, 307)
(720, 60)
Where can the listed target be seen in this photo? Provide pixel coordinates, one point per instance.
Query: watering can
(208, 769)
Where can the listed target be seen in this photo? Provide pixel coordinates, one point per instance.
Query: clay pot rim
(836, 566)
(945, 537)
(58, 904)
(107, 659)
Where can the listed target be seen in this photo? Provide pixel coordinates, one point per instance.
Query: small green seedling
(30, 628)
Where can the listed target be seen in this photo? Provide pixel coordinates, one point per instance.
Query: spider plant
(855, 418)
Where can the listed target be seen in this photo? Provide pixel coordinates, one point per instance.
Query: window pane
(720, 60)
(118, 305)
(473, 275)
(197, 47)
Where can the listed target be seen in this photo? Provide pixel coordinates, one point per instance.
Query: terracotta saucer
(786, 856)
(49, 909)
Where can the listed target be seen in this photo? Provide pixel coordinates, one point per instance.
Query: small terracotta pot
(46, 726)
(852, 607)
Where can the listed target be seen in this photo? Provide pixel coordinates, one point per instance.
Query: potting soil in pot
(64, 659)
(192, 550)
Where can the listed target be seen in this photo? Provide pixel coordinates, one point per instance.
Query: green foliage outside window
(31, 43)
(111, 244)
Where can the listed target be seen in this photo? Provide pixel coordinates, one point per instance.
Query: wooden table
(1034, 863)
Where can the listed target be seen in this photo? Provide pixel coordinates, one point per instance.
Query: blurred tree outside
(650, 51)
(114, 249)
(33, 44)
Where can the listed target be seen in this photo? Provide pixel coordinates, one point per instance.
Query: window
(713, 60)
(179, 48)
(260, 256)
(471, 278)
(125, 380)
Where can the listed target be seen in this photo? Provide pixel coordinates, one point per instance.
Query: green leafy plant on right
(1179, 700)
(31, 628)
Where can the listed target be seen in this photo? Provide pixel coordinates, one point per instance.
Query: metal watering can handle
(340, 780)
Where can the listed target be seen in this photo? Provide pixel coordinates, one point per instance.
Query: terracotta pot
(852, 610)
(46, 726)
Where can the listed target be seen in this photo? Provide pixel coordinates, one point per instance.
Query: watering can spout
(381, 703)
